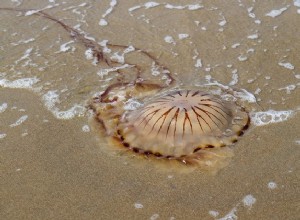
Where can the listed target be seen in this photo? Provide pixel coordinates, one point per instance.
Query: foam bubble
(89, 54)
(297, 3)
(288, 88)
(132, 104)
(24, 83)
(103, 22)
(23, 42)
(138, 205)
(169, 39)
(213, 213)
(222, 22)
(151, 4)
(19, 121)
(244, 95)
(86, 128)
(183, 36)
(272, 185)
(275, 13)
(270, 116)
(3, 107)
(65, 47)
(104, 45)
(104, 72)
(249, 200)
(198, 63)
(235, 45)
(51, 98)
(189, 7)
(2, 135)
(235, 79)
(31, 12)
(112, 4)
(242, 58)
(253, 36)
(154, 217)
(286, 65)
(231, 215)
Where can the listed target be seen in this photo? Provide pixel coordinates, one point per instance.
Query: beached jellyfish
(176, 125)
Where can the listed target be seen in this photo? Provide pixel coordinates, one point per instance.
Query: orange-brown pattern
(182, 114)
(181, 123)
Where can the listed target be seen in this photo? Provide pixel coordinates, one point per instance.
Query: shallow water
(54, 166)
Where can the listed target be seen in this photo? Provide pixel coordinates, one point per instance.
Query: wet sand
(51, 169)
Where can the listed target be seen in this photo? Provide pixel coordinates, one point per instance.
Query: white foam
(2, 135)
(132, 104)
(89, 54)
(24, 134)
(213, 213)
(121, 58)
(249, 201)
(64, 47)
(253, 36)
(31, 12)
(154, 216)
(24, 83)
(104, 45)
(270, 116)
(19, 121)
(272, 185)
(51, 98)
(242, 58)
(286, 65)
(235, 78)
(244, 95)
(275, 13)
(288, 88)
(297, 141)
(112, 4)
(3, 107)
(231, 215)
(104, 72)
(151, 4)
(257, 21)
(250, 12)
(235, 45)
(86, 128)
(222, 22)
(183, 36)
(154, 69)
(138, 205)
(297, 3)
(23, 42)
(190, 7)
(198, 63)
(103, 22)
(148, 5)
(25, 55)
(169, 39)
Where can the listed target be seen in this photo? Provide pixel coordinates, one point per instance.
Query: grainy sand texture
(56, 164)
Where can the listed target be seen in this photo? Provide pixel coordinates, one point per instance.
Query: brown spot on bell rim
(181, 123)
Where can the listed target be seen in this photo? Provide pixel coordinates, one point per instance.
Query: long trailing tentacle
(100, 55)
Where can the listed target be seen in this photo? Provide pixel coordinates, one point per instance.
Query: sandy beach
(54, 164)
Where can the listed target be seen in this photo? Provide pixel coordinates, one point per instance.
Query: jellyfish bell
(190, 126)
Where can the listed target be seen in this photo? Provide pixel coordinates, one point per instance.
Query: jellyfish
(154, 115)
(175, 125)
